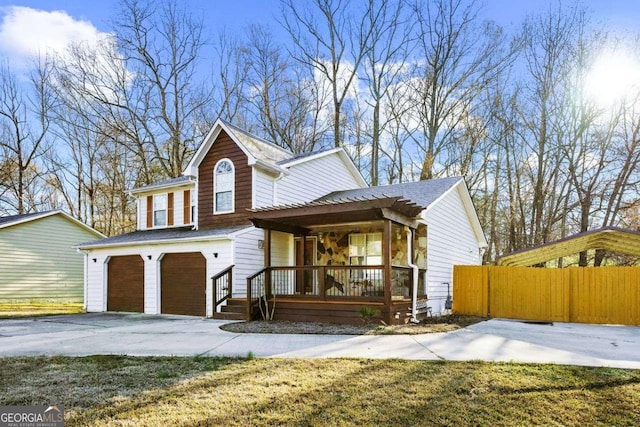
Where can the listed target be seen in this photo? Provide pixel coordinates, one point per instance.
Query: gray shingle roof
(6, 220)
(168, 234)
(422, 193)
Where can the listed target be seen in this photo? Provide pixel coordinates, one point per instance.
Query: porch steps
(236, 309)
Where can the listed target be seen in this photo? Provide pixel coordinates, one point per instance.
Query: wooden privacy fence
(608, 295)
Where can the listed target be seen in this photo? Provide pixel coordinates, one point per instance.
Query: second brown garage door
(125, 283)
(183, 284)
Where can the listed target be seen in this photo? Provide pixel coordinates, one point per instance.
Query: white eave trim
(205, 146)
(268, 167)
(155, 188)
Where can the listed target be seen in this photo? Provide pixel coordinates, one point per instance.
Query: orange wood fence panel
(608, 295)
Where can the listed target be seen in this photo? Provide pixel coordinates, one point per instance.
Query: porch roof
(299, 218)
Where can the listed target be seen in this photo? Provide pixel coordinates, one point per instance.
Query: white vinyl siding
(142, 212)
(178, 206)
(249, 259)
(315, 178)
(38, 260)
(178, 211)
(450, 241)
(263, 189)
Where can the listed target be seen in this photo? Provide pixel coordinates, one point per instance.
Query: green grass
(30, 309)
(112, 390)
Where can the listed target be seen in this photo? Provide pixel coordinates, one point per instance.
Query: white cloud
(26, 33)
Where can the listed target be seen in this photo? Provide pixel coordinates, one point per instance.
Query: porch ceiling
(299, 218)
(609, 238)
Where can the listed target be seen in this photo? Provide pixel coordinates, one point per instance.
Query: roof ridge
(256, 137)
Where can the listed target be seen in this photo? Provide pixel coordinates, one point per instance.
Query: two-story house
(251, 224)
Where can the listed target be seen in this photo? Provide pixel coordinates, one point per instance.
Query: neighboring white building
(38, 261)
(206, 223)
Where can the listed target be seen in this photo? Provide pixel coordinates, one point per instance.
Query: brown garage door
(183, 284)
(125, 284)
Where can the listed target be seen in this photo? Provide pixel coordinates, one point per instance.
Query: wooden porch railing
(257, 286)
(222, 287)
(332, 282)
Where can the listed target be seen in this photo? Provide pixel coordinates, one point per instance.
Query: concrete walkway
(494, 340)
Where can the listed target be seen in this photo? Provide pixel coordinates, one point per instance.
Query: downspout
(416, 272)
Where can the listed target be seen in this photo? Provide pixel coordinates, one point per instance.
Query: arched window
(223, 183)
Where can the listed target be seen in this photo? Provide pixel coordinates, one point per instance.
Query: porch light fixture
(215, 254)
(260, 244)
(95, 259)
(149, 256)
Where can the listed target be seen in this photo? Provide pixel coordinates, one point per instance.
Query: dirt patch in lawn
(428, 325)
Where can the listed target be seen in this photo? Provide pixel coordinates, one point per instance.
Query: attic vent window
(223, 184)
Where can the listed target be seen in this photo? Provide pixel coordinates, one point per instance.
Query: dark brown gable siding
(224, 147)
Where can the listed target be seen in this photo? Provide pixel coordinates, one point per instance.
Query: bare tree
(331, 42)
(230, 80)
(384, 65)
(460, 57)
(550, 42)
(160, 45)
(24, 128)
(285, 103)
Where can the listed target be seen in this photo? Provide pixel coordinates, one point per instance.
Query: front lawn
(110, 390)
(31, 309)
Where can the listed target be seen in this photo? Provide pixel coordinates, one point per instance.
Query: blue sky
(78, 19)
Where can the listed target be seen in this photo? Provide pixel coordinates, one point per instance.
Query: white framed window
(223, 184)
(365, 248)
(159, 210)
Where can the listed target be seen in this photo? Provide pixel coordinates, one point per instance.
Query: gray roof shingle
(422, 193)
(6, 220)
(143, 236)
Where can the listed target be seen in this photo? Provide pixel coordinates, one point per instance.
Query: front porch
(334, 294)
(340, 262)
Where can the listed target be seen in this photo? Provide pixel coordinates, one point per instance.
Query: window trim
(193, 211)
(154, 210)
(233, 187)
(368, 238)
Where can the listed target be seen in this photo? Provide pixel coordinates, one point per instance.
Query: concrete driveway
(145, 335)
